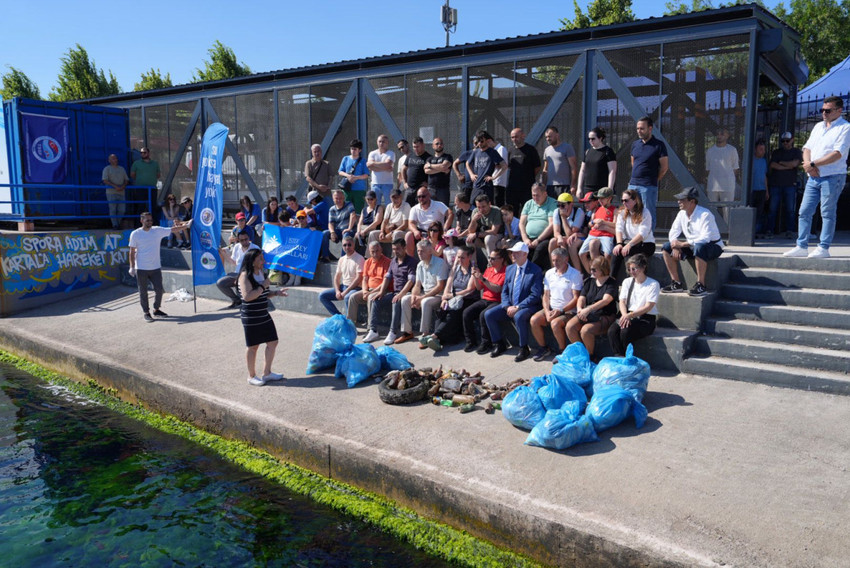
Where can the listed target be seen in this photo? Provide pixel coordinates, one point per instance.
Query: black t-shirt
(784, 178)
(596, 167)
(462, 218)
(440, 181)
(464, 157)
(594, 293)
(522, 162)
(416, 175)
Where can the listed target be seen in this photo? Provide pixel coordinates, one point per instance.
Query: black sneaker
(470, 347)
(148, 318)
(542, 353)
(673, 287)
(160, 314)
(523, 354)
(498, 349)
(698, 290)
(485, 347)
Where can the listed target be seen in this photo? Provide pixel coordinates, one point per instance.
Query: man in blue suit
(522, 296)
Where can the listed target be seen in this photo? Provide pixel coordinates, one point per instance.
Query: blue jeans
(383, 191)
(785, 195)
(649, 195)
(497, 315)
(327, 298)
(825, 190)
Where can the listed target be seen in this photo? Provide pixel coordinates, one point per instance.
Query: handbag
(454, 303)
(344, 184)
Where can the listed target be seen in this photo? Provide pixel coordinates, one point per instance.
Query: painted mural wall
(40, 268)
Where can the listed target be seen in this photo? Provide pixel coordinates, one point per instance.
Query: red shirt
(606, 214)
(497, 278)
(375, 272)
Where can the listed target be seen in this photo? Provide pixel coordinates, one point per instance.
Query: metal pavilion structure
(691, 73)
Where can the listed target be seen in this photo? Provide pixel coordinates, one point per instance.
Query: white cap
(312, 195)
(787, 136)
(519, 247)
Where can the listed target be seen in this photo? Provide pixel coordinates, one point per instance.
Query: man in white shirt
(721, 162)
(381, 162)
(825, 162)
(561, 288)
(500, 182)
(425, 212)
(145, 263)
(349, 274)
(702, 242)
(227, 283)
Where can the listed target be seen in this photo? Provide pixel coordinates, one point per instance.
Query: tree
(823, 26)
(17, 84)
(674, 9)
(79, 78)
(600, 13)
(222, 65)
(153, 79)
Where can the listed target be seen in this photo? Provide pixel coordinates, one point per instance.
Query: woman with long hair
(253, 217)
(271, 212)
(634, 231)
(599, 167)
(170, 216)
(256, 321)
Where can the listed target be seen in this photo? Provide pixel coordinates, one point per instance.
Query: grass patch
(434, 538)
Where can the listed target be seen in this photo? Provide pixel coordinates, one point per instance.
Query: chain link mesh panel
(325, 101)
(158, 141)
(226, 110)
(491, 100)
(137, 128)
(536, 83)
(185, 174)
(434, 108)
(295, 138)
(390, 91)
(256, 135)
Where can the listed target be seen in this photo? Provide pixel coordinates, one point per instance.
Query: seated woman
(435, 236)
(271, 212)
(596, 310)
(634, 231)
(253, 215)
(490, 285)
(638, 298)
(371, 218)
(170, 215)
(460, 292)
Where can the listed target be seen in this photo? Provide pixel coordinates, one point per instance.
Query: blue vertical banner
(207, 266)
(46, 145)
(291, 250)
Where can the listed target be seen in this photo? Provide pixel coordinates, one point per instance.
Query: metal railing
(52, 202)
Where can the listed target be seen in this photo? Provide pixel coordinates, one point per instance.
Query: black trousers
(475, 311)
(450, 323)
(646, 249)
(155, 278)
(620, 337)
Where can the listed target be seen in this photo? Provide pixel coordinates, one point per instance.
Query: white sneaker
(391, 337)
(819, 252)
(256, 381)
(273, 377)
(796, 252)
(371, 336)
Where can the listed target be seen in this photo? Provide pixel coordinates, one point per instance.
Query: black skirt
(256, 321)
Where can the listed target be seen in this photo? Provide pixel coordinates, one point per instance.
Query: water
(81, 485)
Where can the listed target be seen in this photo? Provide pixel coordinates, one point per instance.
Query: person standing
(381, 163)
(144, 172)
(721, 163)
(782, 185)
(484, 166)
(145, 262)
(353, 168)
(439, 170)
(459, 167)
(825, 162)
(115, 179)
(523, 167)
(413, 172)
(256, 321)
(500, 182)
(403, 151)
(649, 165)
(599, 167)
(560, 168)
(317, 172)
(758, 189)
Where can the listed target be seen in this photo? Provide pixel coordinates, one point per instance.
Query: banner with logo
(46, 144)
(207, 266)
(291, 250)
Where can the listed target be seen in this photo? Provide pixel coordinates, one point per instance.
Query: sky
(174, 36)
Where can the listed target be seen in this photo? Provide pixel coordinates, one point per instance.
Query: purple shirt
(401, 274)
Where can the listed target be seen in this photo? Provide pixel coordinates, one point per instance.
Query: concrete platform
(724, 472)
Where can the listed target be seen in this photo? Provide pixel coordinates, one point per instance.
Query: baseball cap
(519, 247)
(588, 196)
(787, 136)
(186, 199)
(300, 213)
(240, 215)
(312, 195)
(565, 198)
(604, 192)
(688, 193)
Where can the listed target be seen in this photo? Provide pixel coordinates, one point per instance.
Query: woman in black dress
(599, 168)
(256, 321)
(596, 309)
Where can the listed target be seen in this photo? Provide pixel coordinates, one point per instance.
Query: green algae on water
(434, 538)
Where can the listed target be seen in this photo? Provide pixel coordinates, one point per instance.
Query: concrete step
(805, 357)
(777, 261)
(808, 297)
(813, 336)
(819, 317)
(769, 374)
(791, 278)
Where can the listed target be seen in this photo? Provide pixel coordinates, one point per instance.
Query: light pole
(448, 17)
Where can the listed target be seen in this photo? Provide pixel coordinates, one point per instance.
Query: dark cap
(688, 193)
(588, 196)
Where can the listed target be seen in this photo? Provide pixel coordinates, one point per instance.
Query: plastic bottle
(464, 408)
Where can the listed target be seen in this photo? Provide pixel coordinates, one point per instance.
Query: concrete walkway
(723, 473)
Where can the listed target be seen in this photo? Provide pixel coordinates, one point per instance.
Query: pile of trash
(334, 347)
(579, 399)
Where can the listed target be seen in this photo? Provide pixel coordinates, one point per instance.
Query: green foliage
(600, 13)
(17, 84)
(676, 8)
(434, 538)
(823, 26)
(79, 78)
(153, 79)
(222, 65)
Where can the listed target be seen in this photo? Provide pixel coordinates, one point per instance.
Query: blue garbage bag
(629, 372)
(559, 430)
(522, 408)
(574, 364)
(538, 383)
(558, 391)
(332, 337)
(358, 364)
(611, 404)
(392, 359)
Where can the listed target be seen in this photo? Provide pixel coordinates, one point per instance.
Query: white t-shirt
(629, 230)
(642, 294)
(147, 245)
(721, 163)
(398, 217)
(576, 218)
(348, 267)
(502, 180)
(381, 177)
(237, 254)
(560, 286)
(400, 165)
(423, 218)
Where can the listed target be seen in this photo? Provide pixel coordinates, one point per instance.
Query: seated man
(600, 238)
(227, 283)
(431, 275)
(349, 273)
(511, 224)
(422, 215)
(702, 241)
(317, 210)
(521, 297)
(463, 214)
(374, 274)
(397, 284)
(485, 228)
(394, 224)
(561, 288)
(535, 224)
(342, 220)
(241, 225)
